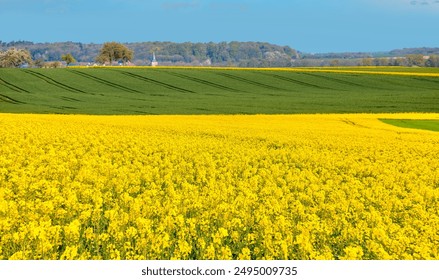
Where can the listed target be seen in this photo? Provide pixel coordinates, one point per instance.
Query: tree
(433, 61)
(382, 61)
(15, 58)
(68, 58)
(334, 62)
(399, 61)
(415, 60)
(113, 51)
(367, 61)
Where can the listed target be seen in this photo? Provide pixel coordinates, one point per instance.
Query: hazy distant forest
(249, 54)
(240, 54)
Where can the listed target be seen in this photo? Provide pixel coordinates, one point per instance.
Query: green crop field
(138, 91)
(432, 125)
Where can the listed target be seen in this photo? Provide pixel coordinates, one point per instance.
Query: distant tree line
(359, 55)
(410, 60)
(408, 51)
(240, 54)
(243, 54)
(422, 57)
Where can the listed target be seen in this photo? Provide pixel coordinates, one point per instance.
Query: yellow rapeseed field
(217, 187)
(369, 70)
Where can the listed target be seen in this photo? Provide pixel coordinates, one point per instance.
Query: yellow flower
(245, 254)
(339, 186)
(70, 253)
(353, 253)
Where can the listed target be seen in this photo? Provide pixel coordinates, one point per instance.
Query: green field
(432, 125)
(138, 91)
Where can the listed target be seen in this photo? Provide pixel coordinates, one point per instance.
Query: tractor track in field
(251, 82)
(204, 82)
(427, 80)
(298, 82)
(8, 99)
(12, 86)
(104, 82)
(53, 81)
(406, 85)
(70, 99)
(152, 81)
(341, 81)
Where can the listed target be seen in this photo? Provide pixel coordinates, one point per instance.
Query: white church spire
(154, 61)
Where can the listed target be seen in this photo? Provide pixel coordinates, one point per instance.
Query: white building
(154, 61)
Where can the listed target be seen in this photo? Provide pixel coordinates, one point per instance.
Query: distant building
(154, 61)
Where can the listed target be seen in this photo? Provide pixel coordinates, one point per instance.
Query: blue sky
(306, 25)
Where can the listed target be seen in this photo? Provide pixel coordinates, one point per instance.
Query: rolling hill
(140, 91)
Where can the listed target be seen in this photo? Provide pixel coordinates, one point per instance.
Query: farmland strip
(201, 81)
(295, 81)
(168, 86)
(249, 81)
(105, 82)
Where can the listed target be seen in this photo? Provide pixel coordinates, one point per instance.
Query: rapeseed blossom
(218, 187)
